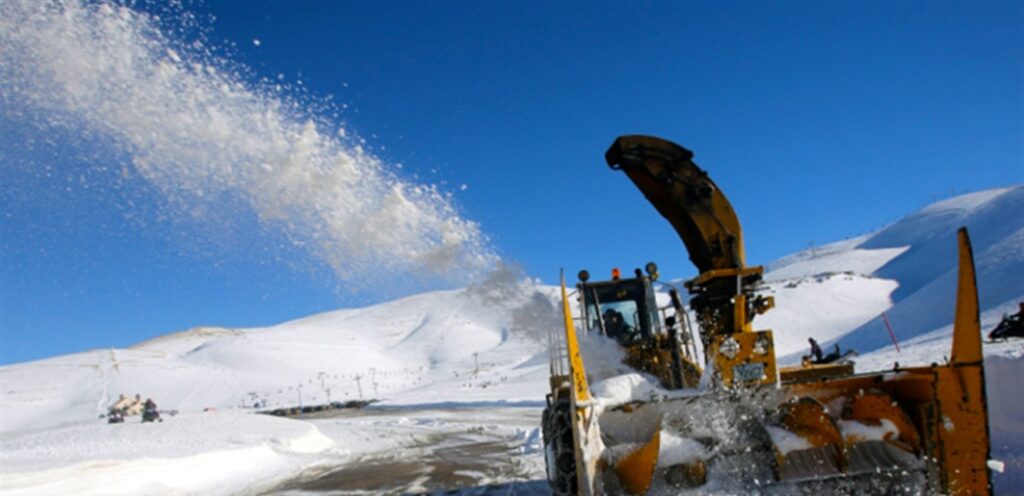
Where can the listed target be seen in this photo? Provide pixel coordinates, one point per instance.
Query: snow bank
(189, 454)
(675, 450)
(1006, 416)
(626, 388)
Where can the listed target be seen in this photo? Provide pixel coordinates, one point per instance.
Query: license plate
(748, 372)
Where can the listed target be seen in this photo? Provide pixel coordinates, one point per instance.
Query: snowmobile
(835, 356)
(1012, 326)
(151, 414)
(728, 419)
(115, 416)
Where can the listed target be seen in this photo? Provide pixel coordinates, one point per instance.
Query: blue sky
(819, 121)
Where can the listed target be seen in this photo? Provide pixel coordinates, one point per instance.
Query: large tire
(558, 444)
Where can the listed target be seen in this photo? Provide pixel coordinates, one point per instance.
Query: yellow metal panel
(579, 374)
(960, 390)
(746, 359)
(811, 372)
(739, 314)
(874, 406)
(966, 327)
(961, 430)
(807, 418)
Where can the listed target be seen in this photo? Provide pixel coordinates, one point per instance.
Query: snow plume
(531, 308)
(197, 129)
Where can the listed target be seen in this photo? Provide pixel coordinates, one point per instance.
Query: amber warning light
(615, 274)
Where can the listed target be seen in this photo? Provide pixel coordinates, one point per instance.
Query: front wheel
(559, 450)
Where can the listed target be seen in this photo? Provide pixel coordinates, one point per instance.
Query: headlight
(729, 347)
(761, 345)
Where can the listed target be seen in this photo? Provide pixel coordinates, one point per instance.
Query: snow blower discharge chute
(727, 419)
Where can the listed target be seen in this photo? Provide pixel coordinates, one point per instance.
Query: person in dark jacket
(614, 324)
(816, 354)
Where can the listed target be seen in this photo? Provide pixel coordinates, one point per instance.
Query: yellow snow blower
(725, 419)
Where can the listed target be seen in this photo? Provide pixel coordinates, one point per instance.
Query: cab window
(618, 308)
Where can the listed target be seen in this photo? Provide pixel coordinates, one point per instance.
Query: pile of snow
(626, 388)
(674, 450)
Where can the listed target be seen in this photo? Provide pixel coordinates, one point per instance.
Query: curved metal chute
(684, 194)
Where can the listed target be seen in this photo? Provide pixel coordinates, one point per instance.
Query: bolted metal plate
(748, 372)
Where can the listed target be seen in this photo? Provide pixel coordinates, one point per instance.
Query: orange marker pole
(891, 334)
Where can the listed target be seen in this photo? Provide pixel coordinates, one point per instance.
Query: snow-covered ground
(189, 453)
(477, 356)
(462, 375)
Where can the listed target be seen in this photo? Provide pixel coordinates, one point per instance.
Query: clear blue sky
(820, 121)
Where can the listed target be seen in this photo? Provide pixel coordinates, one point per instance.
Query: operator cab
(622, 309)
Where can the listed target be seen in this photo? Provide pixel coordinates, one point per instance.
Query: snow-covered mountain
(471, 344)
(484, 346)
(837, 292)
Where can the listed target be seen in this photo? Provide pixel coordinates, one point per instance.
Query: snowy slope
(907, 269)
(927, 270)
(398, 351)
(824, 305)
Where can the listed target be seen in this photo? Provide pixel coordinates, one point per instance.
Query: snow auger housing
(748, 427)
